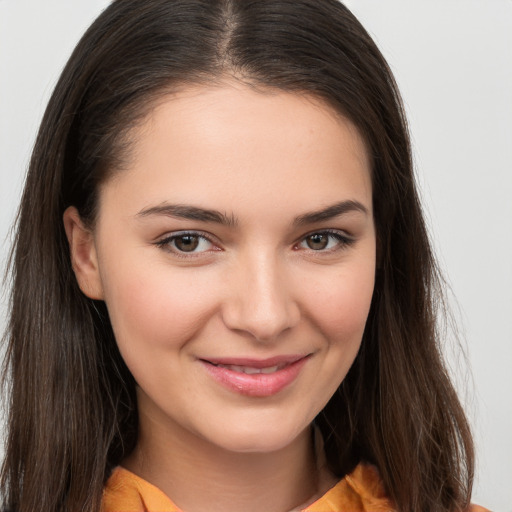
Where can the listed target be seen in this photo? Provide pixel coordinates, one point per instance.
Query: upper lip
(280, 360)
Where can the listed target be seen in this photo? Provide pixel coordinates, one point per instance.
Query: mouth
(256, 377)
(250, 370)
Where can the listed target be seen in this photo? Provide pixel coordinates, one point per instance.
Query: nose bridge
(262, 302)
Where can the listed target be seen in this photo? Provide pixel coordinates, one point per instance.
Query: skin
(258, 286)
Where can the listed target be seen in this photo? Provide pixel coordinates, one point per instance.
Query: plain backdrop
(453, 62)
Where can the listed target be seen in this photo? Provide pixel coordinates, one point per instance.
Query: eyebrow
(330, 212)
(189, 212)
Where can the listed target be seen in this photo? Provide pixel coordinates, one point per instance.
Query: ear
(84, 259)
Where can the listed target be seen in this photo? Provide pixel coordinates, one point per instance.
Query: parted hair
(72, 412)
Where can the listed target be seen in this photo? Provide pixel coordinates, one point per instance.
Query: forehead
(229, 141)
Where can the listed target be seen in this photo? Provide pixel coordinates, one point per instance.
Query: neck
(199, 476)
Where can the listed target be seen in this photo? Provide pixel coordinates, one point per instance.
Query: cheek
(341, 304)
(338, 306)
(152, 308)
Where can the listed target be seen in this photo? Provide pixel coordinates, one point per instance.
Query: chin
(273, 438)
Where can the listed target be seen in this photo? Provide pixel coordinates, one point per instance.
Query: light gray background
(453, 62)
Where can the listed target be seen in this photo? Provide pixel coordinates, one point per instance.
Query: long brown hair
(72, 409)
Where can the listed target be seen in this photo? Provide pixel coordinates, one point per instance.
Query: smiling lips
(257, 378)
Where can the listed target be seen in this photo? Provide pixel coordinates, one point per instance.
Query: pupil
(187, 243)
(317, 241)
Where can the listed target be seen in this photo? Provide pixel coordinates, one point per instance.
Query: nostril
(260, 321)
(260, 300)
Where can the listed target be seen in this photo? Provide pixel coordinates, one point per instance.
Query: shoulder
(128, 492)
(360, 491)
(477, 508)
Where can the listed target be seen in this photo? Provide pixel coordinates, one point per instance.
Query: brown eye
(186, 243)
(326, 241)
(317, 241)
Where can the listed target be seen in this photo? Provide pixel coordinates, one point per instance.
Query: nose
(261, 300)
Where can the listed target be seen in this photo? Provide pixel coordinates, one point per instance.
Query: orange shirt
(361, 491)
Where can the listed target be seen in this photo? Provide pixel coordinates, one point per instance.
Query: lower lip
(256, 384)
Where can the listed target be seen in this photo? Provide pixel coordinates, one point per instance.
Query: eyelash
(343, 241)
(166, 243)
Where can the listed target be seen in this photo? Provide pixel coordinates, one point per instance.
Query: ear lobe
(84, 260)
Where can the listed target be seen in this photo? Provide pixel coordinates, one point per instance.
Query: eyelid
(164, 242)
(345, 240)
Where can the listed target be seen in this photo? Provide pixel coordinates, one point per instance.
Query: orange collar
(361, 491)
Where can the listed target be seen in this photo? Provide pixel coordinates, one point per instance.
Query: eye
(325, 241)
(186, 242)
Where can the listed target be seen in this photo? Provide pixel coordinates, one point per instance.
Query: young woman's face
(236, 256)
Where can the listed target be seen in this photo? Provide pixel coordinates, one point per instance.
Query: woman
(227, 283)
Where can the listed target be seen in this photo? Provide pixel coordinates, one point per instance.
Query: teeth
(248, 370)
(270, 369)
